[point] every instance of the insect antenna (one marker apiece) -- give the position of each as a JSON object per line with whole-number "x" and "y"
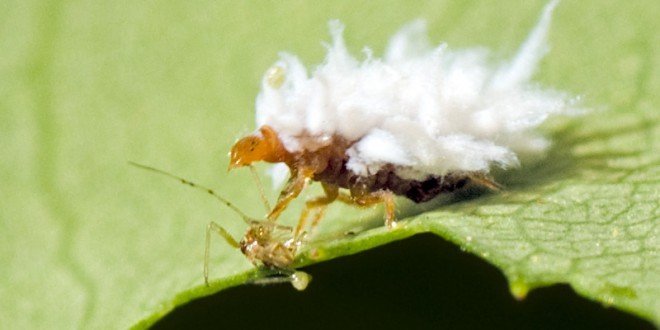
{"x": 209, "y": 191}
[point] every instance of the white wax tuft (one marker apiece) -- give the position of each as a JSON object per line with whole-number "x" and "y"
{"x": 426, "y": 110}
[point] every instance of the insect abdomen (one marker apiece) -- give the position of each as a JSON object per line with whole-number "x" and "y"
{"x": 386, "y": 179}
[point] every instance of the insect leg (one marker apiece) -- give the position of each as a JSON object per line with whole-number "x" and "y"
{"x": 388, "y": 200}
{"x": 318, "y": 204}
{"x": 485, "y": 181}
{"x": 298, "y": 279}
{"x": 296, "y": 184}
{"x": 214, "y": 227}
{"x": 280, "y": 255}
{"x": 381, "y": 196}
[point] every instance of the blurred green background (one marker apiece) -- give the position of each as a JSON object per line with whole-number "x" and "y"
{"x": 85, "y": 86}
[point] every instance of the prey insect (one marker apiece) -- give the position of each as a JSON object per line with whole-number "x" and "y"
{"x": 265, "y": 243}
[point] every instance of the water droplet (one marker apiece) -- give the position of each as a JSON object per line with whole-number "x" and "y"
{"x": 300, "y": 280}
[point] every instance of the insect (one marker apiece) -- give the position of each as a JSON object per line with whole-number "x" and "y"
{"x": 417, "y": 123}
{"x": 265, "y": 242}
{"x": 327, "y": 165}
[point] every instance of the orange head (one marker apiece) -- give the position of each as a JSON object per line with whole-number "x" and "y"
{"x": 264, "y": 145}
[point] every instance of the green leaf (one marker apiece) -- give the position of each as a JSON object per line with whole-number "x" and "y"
{"x": 89, "y": 242}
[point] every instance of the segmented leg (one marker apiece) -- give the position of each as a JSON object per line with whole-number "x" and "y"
{"x": 318, "y": 205}
{"x": 278, "y": 255}
{"x": 298, "y": 279}
{"x": 485, "y": 181}
{"x": 294, "y": 186}
{"x": 382, "y": 196}
{"x": 212, "y": 226}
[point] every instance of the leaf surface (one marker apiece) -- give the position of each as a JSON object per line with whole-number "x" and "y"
{"x": 89, "y": 242}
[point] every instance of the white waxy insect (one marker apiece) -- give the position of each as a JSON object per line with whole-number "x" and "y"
{"x": 419, "y": 122}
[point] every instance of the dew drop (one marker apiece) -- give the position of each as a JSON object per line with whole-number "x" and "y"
{"x": 300, "y": 280}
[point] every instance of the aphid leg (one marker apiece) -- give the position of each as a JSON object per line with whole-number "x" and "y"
{"x": 298, "y": 279}
{"x": 257, "y": 181}
{"x": 294, "y": 186}
{"x": 280, "y": 254}
{"x": 318, "y": 205}
{"x": 214, "y": 227}
{"x": 382, "y": 196}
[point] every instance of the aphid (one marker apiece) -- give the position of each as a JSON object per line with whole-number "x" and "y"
{"x": 265, "y": 243}
{"x": 417, "y": 123}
